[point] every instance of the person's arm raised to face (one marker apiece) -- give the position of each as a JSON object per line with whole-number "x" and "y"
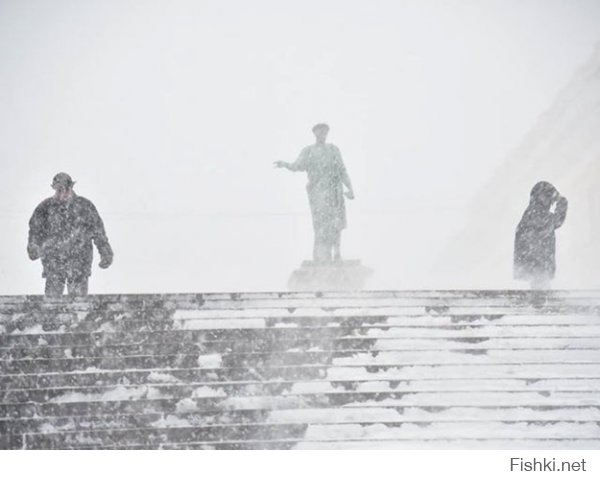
{"x": 560, "y": 211}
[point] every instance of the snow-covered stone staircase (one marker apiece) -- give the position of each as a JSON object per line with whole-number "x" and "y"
{"x": 420, "y": 369}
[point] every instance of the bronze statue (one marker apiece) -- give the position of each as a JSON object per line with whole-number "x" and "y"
{"x": 327, "y": 177}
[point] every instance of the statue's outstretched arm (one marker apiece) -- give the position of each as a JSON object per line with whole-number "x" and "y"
{"x": 298, "y": 166}
{"x": 286, "y": 165}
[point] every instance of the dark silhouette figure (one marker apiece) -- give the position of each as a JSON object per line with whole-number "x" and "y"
{"x": 61, "y": 231}
{"x": 326, "y": 178}
{"x": 535, "y": 241}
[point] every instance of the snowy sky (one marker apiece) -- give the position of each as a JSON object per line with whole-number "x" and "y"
{"x": 169, "y": 115}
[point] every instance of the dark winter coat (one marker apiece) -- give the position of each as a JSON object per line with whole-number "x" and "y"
{"x": 62, "y": 233}
{"x": 535, "y": 241}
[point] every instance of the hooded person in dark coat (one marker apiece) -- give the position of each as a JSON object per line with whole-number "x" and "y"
{"x": 535, "y": 241}
{"x": 61, "y": 231}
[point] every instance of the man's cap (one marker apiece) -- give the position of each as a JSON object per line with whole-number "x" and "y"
{"x": 320, "y": 126}
{"x": 62, "y": 180}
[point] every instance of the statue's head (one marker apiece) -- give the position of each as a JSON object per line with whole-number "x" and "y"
{"x": 321, "y": 130}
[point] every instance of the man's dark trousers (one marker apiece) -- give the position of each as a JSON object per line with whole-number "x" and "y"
{"x": 76, "y": 285}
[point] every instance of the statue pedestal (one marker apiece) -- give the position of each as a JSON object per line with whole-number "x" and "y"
{"x": 342, "y": 275}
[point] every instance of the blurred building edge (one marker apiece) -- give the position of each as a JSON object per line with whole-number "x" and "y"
{"x": 347, "y": 275}
{"x": 562, "y": 148}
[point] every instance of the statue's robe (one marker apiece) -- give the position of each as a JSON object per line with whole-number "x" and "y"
{"x": 326, "y": 177}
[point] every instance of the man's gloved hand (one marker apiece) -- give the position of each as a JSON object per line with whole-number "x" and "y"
{"x": 34, "y": 251}
{"x": 105, "y": 262}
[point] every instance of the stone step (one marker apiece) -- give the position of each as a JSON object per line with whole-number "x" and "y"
{"x": 195, "y": 300}
{"x": 504, "y": 444}
{"x": 402, "y": 357}
{"x": 35, "y": 325}
{"x": 124, "y": 401}
{"x": 417, "y": 320}
{"x": 438, "y": 431}
{"x": 482, "y": 444}
{"x": 31, "y": 383}
{"x": 559, "y": 308}
{"x": 388, "y": 416}
{"x": 388, "y": 308}
{"x": 256, "y": 336}
{"x": 305, "y": 433}
{"x": 341, "y": 347}
{"x": 154, "y": 436}
{"x": 232, "y": 389}
{"x": 358, "y": 444}
{"x": 343, "y": 374}
{"x": 27, "y": 318}
{"x": 125, "y": 322}
{"x": 299, "y": 358}
{"x": 281, "y": 339}
{"x": 227, "y": 331}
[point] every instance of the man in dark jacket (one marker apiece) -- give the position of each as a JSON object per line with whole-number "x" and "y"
{"x": 535, "y": 241}
{"x": 61, "y": 231}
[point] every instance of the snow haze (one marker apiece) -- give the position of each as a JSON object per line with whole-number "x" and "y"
{"x": 169, "y": 115}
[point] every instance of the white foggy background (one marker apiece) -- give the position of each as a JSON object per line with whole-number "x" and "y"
{"x": 169, "y": 116}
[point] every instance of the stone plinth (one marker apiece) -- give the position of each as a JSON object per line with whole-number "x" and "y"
{"x": 342, "y": 275}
